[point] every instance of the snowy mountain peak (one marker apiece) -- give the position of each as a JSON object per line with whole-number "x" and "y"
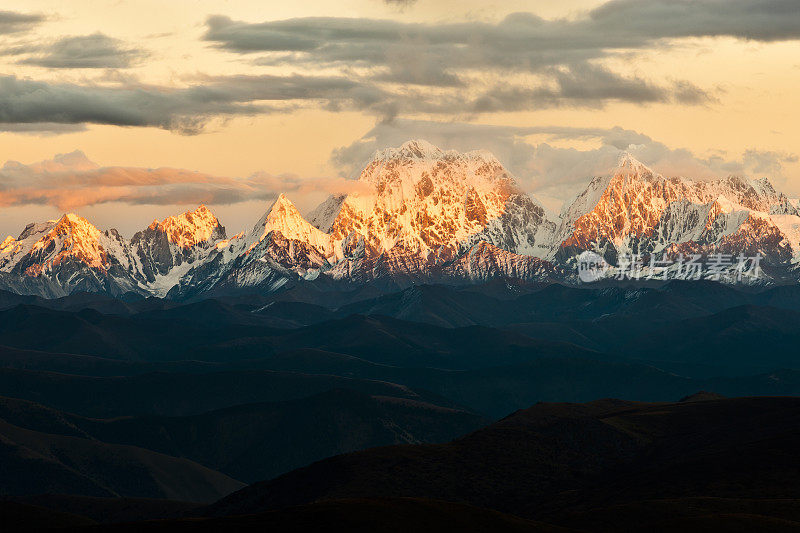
{"x": 190, "y": 228}
{"x": 76, "y": 227}
{"x": 283, "y": 217}
{"x": 324, "y": 215}
{"x": 71, "y": 238}
{"x": 35, "y": 228}
{"x": 630, "y": 167}
{"x": 415, "y": 149}
{"x": 282, "y": 211}
{"x": 70, "y": 254}
{"x": 282, "y": 201}
{"x": 763, "y": 186}
{"x": 430, "y": 202}
{"x": 637, "y": 211}
{"x": 417, "y": 162}
{"x": 420, "y": 214}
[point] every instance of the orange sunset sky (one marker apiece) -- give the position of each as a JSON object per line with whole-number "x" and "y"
{"x": 126, "y": 111}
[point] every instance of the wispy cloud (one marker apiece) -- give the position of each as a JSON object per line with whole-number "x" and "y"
{"x": 561, "y": 55}
{"x": 13, "y": 22}
{"x": 401, "y": 4}
{"x": 185, "y": 110}
{"x": 83, "y": 51}
{"x": 71, "y": 181}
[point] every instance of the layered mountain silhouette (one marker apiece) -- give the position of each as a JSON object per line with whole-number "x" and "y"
{"x": 421, "y": 214}
{"x": 489, "y": 349}
{"x": 337, "y": 404}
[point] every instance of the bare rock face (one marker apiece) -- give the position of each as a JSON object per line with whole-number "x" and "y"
{"x": 176, "y": 240}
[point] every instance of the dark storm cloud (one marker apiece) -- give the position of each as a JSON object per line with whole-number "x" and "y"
{"x": 185, "y": 110}
{"x": 393, "y": 69}
{"x": 83, "y": 51}
{"x": 583, "y": 84}
{"x": 11, "y": 22}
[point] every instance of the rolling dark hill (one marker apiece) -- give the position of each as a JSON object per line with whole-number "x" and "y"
{"x": 95, "y": 509}
{"x": 552, "y": 458}
{"x": 90, "y": 365}
{"x": 295, "y": 314}
{"x": 748, "y": 337}
{"x": 675, "y": 323}
{"x": 211, "y": 331}
{"x": 10, "y": 299}
{"x": 25, "y": 517}
{"x": 35, "y": 462}
{"x": 437, "y": 305}
{"x": 396, "y": 515}
{"x": 90, "y": 332}
{"x": 176, "y": 394}
{"x": 207, "y": 313}
{"x": 387, "y": 340}
{"x": 259, "y": 441}
{"x": 120, "y": 388}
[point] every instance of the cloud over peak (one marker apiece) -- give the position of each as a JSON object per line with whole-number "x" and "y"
{"x": 538, "y": 157}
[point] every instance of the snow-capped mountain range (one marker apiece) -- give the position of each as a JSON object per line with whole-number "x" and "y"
{"x": 423, "y": 215}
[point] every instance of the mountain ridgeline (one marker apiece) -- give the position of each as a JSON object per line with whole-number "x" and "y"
{"x": 422, "y": 215}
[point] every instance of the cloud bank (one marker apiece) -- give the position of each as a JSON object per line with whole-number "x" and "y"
{"x": 536, "y": 156}
{"x": 453, "y": 54}
{"x": 391, "y": 68}
{"x": 563, "y": 51}
{"x": 71, "y": 181}
{"x": 184, "y": 110}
